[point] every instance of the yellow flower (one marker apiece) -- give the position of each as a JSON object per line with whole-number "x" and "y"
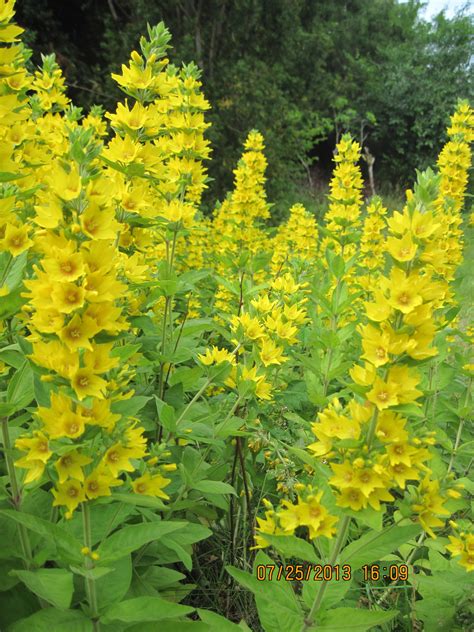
{"x": 216, "y": 356}
{"x": 251, "y": 327}
{"x": 69, "y": 494}
{"x": 68, "y": 424}
{"x": 35, "y": 468}
{"x": 16, "y": 239}
{"x": 63, "y": 266}
{"x": 376, "y": 345}
{"x": 383, "y": 394}
{"x": 353, "y": 498}
{"x": 117, "y": 458}
{"x": 37, "y": 446}
{"x": 66, "y": 184}
{"x": 270, "y": 353}
{"x": 99, "y": 224}
{"x": 151, "y": 485}
{"x": 85, "y": 382}
{"x": 78, "y": 332}
{"x": 100, "y": 414}
{"x": 69, "y": 465}
{"x": 67, "y": 297}
{"x": 99, "y": 359}
{"x": 99, "y": 482}
{"x": 404, "y": 291}
{"x": 307, "y": 513}
{"x": 403, "y": 249}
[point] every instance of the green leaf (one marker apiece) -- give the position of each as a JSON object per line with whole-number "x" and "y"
{"x": 54, "y": 585}
{"x": 214, "y": 487}
{"x": 70, "y": 547}
{"x": 354, "y": 619}
{"x": 91, "y": 573}
{"x": 144, "y": 609}
{"x": 217, "y": 622}
{"x": 114, "y": 586}
{"x": 12, "y": 355}
{"x": 372, "y": 547}
{"x": 292, "y": 547}
{"x": 130, "y": 407}
{"x": 166, "y": 415}
{"x": 52, "y": 619}
{"x": 133, "y": 537}
{"x": 368, "y": 516}
{"x": 277, "y": 605}
{"x": 20, "y": 389}
{"x": 333, "y": 595}
{"x": 138, "y": 500}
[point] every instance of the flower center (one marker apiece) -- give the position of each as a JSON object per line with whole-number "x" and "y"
{"x": 113, "y": 456}
{"x": 404, "y": 298}
{"x": 75, "y": 333}
{"x": 93, "y": 486}
{"x": 141, "y": 488}
{"x": 72, "y": 491}
{"x": 383, "y": 396}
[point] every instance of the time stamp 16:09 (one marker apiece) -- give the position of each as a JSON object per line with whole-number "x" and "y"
{"x": 328, "y": 572}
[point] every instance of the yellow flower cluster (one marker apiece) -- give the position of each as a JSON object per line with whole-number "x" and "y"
{"x": 453, "y": 164}
{"x": 234, "y": 234}
{"x": 263, "y": 334}
{"x": 370, "y": 445}
{"x": 308, "y": 511}
{"x": 372, "y": 244}
{"x": 345, "y": 198}
{"x": 79, "y": 292}
{"x": 462, "y": 546}
{"x": 295, "y": 240}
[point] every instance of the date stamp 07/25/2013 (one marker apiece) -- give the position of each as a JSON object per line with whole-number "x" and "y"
{"x": 328, "y": 572}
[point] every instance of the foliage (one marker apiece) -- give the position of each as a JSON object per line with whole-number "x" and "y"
{"x": 180, "y": 391}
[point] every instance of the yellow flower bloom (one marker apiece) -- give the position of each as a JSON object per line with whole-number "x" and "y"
{"x": 69, "y": 494}
{"x": 151, "y": 485}
{"x": 85, "y": 382}
{"x": 383, "y": 394}
{"x": 403, "y": 249}
{"x": 270, "y": 353}
{"x": 16, "y": 239}
{"x": 69, "y": 465}
{"x": 117, "y": 458}
{"x": 78, "y": 332}
{"x": 37, "y": 446}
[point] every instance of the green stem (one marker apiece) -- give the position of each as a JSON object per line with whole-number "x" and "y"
{"x": 460, "y": 429}
{"x": 16, "y": 494}
{"x": 89, "y": 564}
{"x": 338, "y": 544}
{"x": 409, "y": 560}
{"x": 372, "y": 427}
{"x": 206, "y": 384}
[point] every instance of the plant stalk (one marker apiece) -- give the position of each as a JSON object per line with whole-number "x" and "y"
{"x": 16, "y": 494}
{"x": 89, "y": 564}
{"x": 338, "y": 544}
